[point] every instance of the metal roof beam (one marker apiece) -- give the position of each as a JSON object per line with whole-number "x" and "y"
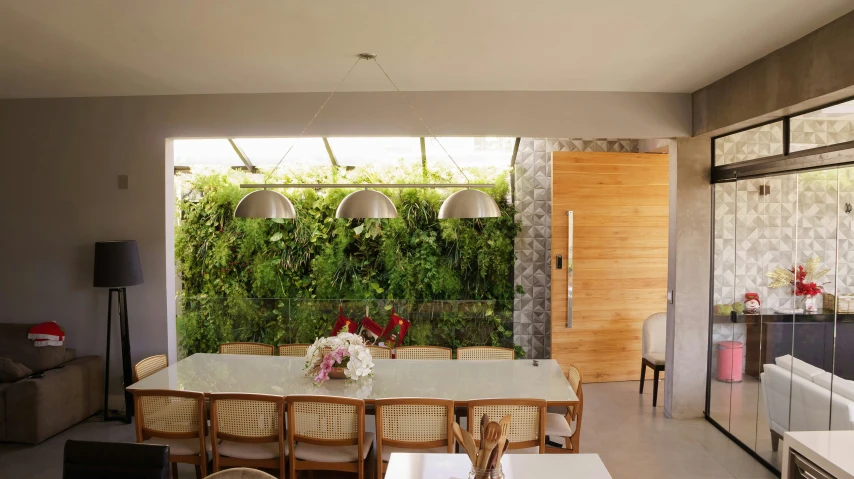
{"x": 248, "y": 164}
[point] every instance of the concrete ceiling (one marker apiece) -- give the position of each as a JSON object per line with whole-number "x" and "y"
{"x": 51, "y": 48}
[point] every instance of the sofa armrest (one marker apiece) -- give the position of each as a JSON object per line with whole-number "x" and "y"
{"x": 38, "y": 408}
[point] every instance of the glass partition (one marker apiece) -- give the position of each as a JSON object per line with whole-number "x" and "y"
{"x": 204, "y": 322}
{"x": 828, "y": 126}
{"x": 782, "y": 337}
{"x": 759, "y": 142}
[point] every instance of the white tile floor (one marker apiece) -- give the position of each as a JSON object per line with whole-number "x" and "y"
{"x": 634, "y": 440}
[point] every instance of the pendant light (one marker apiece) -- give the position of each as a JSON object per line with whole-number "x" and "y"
{"x": 265, "y": 204}
{"x": 462, "y": 204}
{"x": 469, "y": 204}
{"x": 366, "y": 204}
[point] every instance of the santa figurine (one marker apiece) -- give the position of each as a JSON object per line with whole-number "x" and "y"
{"x": 751, "y": 303}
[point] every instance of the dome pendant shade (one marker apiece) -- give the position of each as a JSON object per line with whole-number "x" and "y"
{"x": 366, "y": 204}
{"x": 469, "y": 204}
{"x": 265, "y": 204}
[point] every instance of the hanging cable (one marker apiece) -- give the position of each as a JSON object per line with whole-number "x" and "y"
{"x": 266, "y": 177}
{"x": 422, "y": 119}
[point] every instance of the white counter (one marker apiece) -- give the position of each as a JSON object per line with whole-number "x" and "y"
{"x": 515, "y": 466}
{"x": 832, "y": 451}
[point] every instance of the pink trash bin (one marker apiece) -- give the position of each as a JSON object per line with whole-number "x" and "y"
{"x": 730, "y": 360}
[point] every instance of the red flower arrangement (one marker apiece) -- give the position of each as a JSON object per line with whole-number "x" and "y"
{"x": 802, "y": 278}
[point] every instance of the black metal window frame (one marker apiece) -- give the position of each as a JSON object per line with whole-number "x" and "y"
{"x": 786, "y": 162}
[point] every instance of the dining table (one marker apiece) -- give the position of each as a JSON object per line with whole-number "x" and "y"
{"x": 457, "y": 380}
{"x": 514, "y": 466}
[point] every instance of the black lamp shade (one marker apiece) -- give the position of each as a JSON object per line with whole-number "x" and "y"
{"x": 117, "y": 264}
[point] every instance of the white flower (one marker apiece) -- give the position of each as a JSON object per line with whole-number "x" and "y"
{"x": 360, "y": 363}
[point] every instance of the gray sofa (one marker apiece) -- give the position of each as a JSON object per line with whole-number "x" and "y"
{"x": 32, "y": 410}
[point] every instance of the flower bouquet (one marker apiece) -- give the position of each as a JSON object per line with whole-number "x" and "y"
{"x": 338, "y": 357}
{"x": 802, "y": 279}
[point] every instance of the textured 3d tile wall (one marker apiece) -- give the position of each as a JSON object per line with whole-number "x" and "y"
{"x": 533, "y": 179}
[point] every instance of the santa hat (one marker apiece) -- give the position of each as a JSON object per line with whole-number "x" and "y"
{"x": 47, "y": 334}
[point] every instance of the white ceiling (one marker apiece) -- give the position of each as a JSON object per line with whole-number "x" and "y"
{"x": 54, "y": 48}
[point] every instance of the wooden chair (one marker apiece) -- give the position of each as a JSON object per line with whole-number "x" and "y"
{"x": 379, "y": 352}
{"x": 327, "y": 433}
{"x": 252, "y": 430}
{"x": 294, "y": 350}
{"x": 568, "y": 426}
{"x": 176, "y": 419}
{"x": 653, "y": 343}
{"x": 422, "y": 352}
{"x": 256, "y": 349}
{"x": 527, "y": 429}
{"x": 149, "y": 366}
{"x": 484, "y": 352}
{"x": 413, "y": 425}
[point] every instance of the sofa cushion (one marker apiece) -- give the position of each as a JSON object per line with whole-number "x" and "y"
{"x": 41, "y": 407}
{"x": 797, "y": 366}
{"x": 10, "y": 371}
{"x": 843, "y": 387}
{"x": 16, "y": 346}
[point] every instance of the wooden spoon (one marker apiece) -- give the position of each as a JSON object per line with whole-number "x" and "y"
{"x": 466, "y": 442}
{"x": 491, "y": 436}
{"x": 495, "y": 458}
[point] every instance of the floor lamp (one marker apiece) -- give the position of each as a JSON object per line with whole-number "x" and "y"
{"x": 116, "y": 267}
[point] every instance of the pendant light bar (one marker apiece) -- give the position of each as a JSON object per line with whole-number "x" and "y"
{"x": 369, "y": 185}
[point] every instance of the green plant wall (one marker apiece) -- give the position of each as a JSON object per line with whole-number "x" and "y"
{"x": 283, "y": 281}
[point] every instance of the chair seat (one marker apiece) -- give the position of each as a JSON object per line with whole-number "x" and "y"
{"x": 655, "y": 358}
{"x": 313, "y": 452}
{"x": 180, "y": 447}
{"x": 556, "y": 425}
{"x": 250, "y": 450}
{"x": 387, "y": 450}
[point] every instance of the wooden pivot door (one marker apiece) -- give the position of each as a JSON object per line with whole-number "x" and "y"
{"x": 619, "y": 205}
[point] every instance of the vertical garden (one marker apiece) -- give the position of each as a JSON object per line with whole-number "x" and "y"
{"x": 284, "y": 281}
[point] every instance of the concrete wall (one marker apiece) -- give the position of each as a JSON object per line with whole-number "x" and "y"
{"x": 809, "y": 72}
{"x": 61, "y": 160}
{"x": 688, "y": 278}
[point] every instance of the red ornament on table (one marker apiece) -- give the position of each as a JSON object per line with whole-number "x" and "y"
{"x": 751, "y": 303}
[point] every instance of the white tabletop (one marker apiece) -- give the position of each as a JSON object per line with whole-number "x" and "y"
{"x": 282, "y": 375}
{"x": 832, "y": 451}
{"x": 514, "y": 466}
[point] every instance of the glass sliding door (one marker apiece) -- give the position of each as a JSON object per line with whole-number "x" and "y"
{"x": 723, "y": 329}
{"x": 782, "y": 332}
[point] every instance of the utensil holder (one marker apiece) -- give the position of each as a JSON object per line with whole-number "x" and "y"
{"x": 478, "y": 473}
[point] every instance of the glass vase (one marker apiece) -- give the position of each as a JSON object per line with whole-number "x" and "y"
{"x": 478, "y": 473}
{"x": 809, "y": 304}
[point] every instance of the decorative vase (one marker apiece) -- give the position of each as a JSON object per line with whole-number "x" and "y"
{"x": 809, "y": 304}
{"x": 337, "y": 373}
{"x": 478, "y": 473}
